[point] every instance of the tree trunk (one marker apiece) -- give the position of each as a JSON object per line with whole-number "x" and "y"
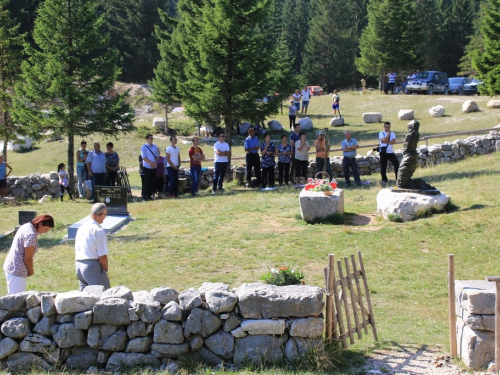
{"x": 229, "y": 134}
{"x": 166, "y": 119}
{"x": 71, "y": 162}
{"x": 381, "y": 81}
{"x": 6, "y": 139}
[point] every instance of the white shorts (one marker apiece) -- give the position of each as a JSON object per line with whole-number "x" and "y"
{"x": 15, "y": 284}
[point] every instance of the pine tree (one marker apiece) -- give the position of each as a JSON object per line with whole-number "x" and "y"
{"x": 225, "y": 68}
{"x": 487, "y": 64}
{"x": 331, "y": 47}
{"x": 391, "y": 39}
{"x": 11, "y": 56}
{"x": 65, "y": 81}
{"x": 475, "y": 45}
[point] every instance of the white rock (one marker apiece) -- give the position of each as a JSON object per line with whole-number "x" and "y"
{"x": 470, "y": 106}
{"x": 476, "y": 348}
{"x": 406, "y": 114}
{"x": 318, "y": 206}
{"x": 275, "y": 126}
{"x": 45, "y": 198}
{"x": 159, "y": 123}
{"x": 238, "y": 332}
{"x": 74, "y": 301}
{"x": 407, "y": 205}
{"x": 437, "y": 111}
{"x": 337, "y": 121}
{"x": 305, "y": 124}
{"x": 263, "y": 326}
{"x": 308, "y": 327}
{"x": 493, "y": 104}
{"x": 371, "y": 117}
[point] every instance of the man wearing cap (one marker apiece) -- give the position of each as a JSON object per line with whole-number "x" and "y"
{"x": 322, "y": 145}
{"x": 96, "y": 166}
{"x": 252, "y": 147}
{"x": 91, "y": 250}
{"x": 349, "y": 147}
{"x": 150, "y": 155}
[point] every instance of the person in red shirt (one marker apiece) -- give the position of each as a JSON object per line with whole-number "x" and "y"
{"x": 197, "y": 156}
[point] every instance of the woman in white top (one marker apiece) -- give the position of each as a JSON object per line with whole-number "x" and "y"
{"x": 173, "y": 163}
{"x": 296, "y": 99}
{"x": 301, "y": 158}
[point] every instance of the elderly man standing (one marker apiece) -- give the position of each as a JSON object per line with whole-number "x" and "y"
{"x": 150, "y": 155}
{"x": 96, "y": 165}
{"x": 91, "y": 250}
{"x": 349, "y": 147}
{"x": 252, "y": 147}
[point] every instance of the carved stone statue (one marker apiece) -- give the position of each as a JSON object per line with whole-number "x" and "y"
{"x": 409, "y": 163}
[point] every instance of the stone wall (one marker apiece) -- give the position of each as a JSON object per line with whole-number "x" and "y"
{"x": 36, "y": 186}
{"x": 475, "y": 309}
{"x": 119, "y": 328}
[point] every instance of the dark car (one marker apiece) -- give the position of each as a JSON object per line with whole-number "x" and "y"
{"x": 471, "y": 87}
{"x": 429, "y": 82}
{"x": 457, "y": 85}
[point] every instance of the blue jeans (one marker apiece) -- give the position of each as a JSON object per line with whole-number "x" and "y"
{"x": 173, "y": 181}
{"x": 219, "y": 174}
{"x": 196, "y": 177}
{"x": 82, "y": 172}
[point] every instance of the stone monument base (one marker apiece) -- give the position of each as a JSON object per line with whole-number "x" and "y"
{"x": 318, "y": 206}
{"x": 408, "y": 205}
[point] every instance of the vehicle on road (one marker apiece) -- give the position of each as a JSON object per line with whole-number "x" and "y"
{"x": 457, "y": 85}
{"x": 429, "y": 82}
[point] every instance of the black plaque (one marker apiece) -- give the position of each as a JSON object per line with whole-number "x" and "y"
{"x": 26, "y": 216}
{"x": 114, "y": 197}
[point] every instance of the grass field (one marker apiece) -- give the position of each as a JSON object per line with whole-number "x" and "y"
{"x": 235, "y": 237}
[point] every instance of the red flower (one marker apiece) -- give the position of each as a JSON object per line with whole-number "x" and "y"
{"x": 283, "y": 268}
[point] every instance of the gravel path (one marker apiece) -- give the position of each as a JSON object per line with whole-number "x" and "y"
{"x": 413, "y": 359}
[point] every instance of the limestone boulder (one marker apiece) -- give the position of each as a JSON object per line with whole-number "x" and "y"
{"x": 74, "y": 301}
{"x": 165, "y": 295}
{"x": 117, "y": 342}
{"x": 406, "y": 114}
{"x": 172, "y": 311}
{"x": 305, "y": 124}
{"x": 7, "y": 347}
{"x": 296, "y": 347}
{"x": 275, "y": 126}
{"x": 220, "y": 301}
{"x": 34, "y": 314}
{"x": 13, "y": 302}
{"x": 263, "y": 326}
{"x": 371, "y": 117}
{"x": 139, "y": 345}
{"x": 35, "y": 343}
{"x": 83, "y": 320}
{"x": 112, "y": 311}
{"x": 478, "y": 321}
{"x": 118, "y": 292}
{"x": 43, "y": 326}
{"x": 159, "y": 123}
{"x": 209, "y": 356}
{"x": 470, "y": 106}
{"x": 316, "y": 206}
{"x": 196, "y": 343}
{"x": 209, "y": 286}
{"x": 142, "y": 296}
{"x": 189, "y": 299}
{"x": 476, "y": 348}
{"x": 221, "y": 343}
{"x": 232, "y": 322}
{"x": 408, "y": 206}
{"x": 476, "y": 300}
{"x": 135, "y": 329}
{"x": 307, "y": 327}
{"x": 95, "y": 290}
{"x": 97, "y": 335}
{"x": 494, "y": 103}
{"x": 68, "y": 336}
{"x": 82, "y": 358}
{"x": 337, "y": 121}
{"x": 148, "y": 312}
{"x": 264, "y": 301}
{"x": 24, "y": 362}
{"x": 258, "y": 349}
{"x": 131, "y": 360}
{"x": 169, "y": 350}
{"x": 437, "y": 111}
{"x": 16, "y": 328}
{"x": 168, "y": 333}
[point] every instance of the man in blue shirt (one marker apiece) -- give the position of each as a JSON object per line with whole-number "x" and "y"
{"x": 349, "y": 147}
{"x": 252, "y": 147}
{"x": 96, "y": 165}
{"x": 294, "y": 137}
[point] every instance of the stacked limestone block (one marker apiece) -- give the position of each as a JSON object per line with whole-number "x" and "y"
{"x": 34, "y": 186}
{"x": 475, "y": 307}
{"x": 118, "y": 328}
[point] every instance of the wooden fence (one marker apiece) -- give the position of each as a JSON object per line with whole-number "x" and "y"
{"x": 347, "y": 312}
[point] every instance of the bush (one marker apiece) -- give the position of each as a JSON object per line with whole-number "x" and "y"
{"x": 142, "y": 131}
{"x": 283, "y": 276}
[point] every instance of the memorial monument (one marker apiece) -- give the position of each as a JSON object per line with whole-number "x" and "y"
{"x": 410, "y": 198}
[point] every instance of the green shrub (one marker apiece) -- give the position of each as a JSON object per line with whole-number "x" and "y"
{"x": 283, "y": 276}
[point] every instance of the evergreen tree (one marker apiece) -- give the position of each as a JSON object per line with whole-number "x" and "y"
{"x": 475, "y": 45}
{"x": 23, "y": 13}
{"x": 487, "y": 63}
{"x": 65, "y": 81}
{"x": 331, "y": 47}
{"x": 295, "y": 29}
{"x": 225, "y": 68}
{"x": 391, "y": 39}
{"x": 11, "y": 56}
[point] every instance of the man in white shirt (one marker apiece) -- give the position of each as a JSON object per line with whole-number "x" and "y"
{"x": 150, "y": 155}
{"x": 306, "y": 94}
{"x": 387, "y": 139}
{"x": 91, "y": 250}
{"x": 221, "y": 161}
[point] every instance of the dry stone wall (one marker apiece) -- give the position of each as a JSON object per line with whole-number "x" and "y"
{"x": 120, "y": 328}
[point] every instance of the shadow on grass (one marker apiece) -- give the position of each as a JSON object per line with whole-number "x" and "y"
{"x": 459, "y": 175}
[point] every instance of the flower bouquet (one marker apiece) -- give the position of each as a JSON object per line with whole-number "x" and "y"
{"x": 320, "y": 185}
{"x": 283, "y": 276}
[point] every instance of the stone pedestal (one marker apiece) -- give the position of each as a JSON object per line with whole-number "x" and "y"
{"x": 318, "y": 206}
{"x": 407, "y": 205}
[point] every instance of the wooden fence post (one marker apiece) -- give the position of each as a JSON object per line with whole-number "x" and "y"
{"x": 451, "y": 305}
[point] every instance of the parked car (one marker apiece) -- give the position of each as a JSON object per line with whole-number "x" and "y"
{"x": 471, "y": 88}
{"x": 316, "y": 90}
{"x": 429, "y": 82}
{"x": 457, "y": 85}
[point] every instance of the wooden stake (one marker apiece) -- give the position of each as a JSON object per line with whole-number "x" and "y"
{"x": 353, "y": 297}
{"x": 338, "y": 307}
{"x": 368, "y": 298}
{"x": 331, "y": 283}
{"x": 451, "y": 306}
{"x": 360, "y": 297}
{"x": 329, "y": 305}
{"x": 496, "y": 279}
{"x": 346, "y": 304}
